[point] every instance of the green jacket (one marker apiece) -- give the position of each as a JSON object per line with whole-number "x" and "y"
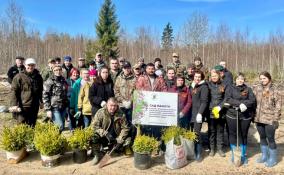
{"x": 102, "y": 122}
{"x": 179, "y": 68}
{"x": 75, "y": 94}
{"x": 46, "y": 73}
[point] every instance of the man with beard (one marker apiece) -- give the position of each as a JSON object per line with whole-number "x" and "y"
{"x": 151, "y": 82}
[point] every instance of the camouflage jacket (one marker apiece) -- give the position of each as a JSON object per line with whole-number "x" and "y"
{"x": 114, "y": 75}
{"x": 268, "y": 104}
{"x": 46, "y": 73}
{"x": 179, "y": 68}
{"x": 143, "y": 83}
{"x": 102, "y": 123}
{"x": 55, "y": 93}
{"x": 124, "y": 87}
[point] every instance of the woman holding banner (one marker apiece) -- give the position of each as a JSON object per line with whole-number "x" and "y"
{"x": 200, "y": 95}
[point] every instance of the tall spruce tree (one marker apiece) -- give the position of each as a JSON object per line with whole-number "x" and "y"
{"x": 167, "y": 37}
{"x": 107, "y": 30}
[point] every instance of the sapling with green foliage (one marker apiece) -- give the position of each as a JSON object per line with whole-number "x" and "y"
{"x": 145, "y": 144}
{"x": 48, "y": 140}
{"x": 175, "y": 132}
{"x": 81, "y": 138}
{"x": 17, "y": 137}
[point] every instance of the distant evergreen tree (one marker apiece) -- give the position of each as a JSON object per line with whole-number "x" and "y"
{"x": 167, "y": 37}
{"x": 107, "y": 30}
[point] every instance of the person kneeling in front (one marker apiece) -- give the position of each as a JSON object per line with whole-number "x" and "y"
{"x": 111, "y": 129}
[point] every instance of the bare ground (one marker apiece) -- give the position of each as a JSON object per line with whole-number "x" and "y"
{"x": 124, "y": 165}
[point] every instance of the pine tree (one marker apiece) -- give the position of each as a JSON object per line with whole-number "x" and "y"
{"x": 167, "y": 37}
{"x": 107, "y": 30}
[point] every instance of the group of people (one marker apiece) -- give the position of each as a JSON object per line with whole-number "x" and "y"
{"x": 100, "y": 95}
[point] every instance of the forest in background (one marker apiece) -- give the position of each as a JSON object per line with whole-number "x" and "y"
{"x": 242, "y": 50}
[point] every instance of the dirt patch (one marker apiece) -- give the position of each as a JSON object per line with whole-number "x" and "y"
{"x": 124, "y": 165}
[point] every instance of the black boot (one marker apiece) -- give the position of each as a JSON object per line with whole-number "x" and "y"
{"x": 198, "y": 152}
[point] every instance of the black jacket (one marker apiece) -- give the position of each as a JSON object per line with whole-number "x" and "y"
{"x": 200, "y": 99}
{"x": 235, "y": 95}
{"x": 100, "y": 91}
{"x": 217, "y": 95}
{"x": 67, "y": 69}
{"x": 13, "y": 71}
{"x": 228, "y": 78}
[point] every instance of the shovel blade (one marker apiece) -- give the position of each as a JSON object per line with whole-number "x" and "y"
{"x": 237, "y": 157}
{"x": 104, "y": 161}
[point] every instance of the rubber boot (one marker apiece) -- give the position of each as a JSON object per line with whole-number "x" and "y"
{"x": 244, "y": 159}
{"x": 198, "y": 152}
{"x": 233, "y": 148}
{"x": 272, "y": 160}
{"x": 96, "y": 153}
{"x": 264, "y": 154}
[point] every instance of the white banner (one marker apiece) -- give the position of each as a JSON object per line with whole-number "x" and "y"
{"x": 155, "y": 108}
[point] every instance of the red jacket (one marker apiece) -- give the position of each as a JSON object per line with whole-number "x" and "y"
{"x": 143, "y": 84}
{"x": 184, "y": 99}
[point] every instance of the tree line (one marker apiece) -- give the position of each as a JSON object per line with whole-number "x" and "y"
{"x": 241, "y": 49}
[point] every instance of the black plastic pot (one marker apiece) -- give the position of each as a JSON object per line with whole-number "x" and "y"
{"x": 142, "y": 161}
{"x": 79, "y": 156}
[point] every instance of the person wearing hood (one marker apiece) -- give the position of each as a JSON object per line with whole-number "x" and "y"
{"x": 14, "y": 70}
{"x": 67, "y": 66}
{"x": 198, "y": 66}
{"x": 55, "y": 97}
{"x": 170, "y": 78}
{"x": 176, "y": 65}
{"x": 268, "y": 113}
{"x": 216, "y": 123}
{"x": 101, "y": 90}
{"x": 184, "y": 101}
{"x": 241, "y": 103}
{"x": 200, "y": 99}
{"x": 26, "y": 93}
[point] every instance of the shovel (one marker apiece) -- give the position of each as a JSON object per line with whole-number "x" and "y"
{"x": 106, "y": 158}
{"x": 237, "y": 152}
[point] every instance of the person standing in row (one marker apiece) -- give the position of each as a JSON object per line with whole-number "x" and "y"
{"x": 216, "y": 123}
{"x": 241, "y": 101}
{"x": 26, "y": 93}
{"x": 55, "y": 97}
{"x": 200, "y": 95}
{"x": 47, "y": 71}
{"x": 184, "y": 101}
{"x": 177, "y": 65}
{"x": 101, "y": 90}
{"x": 114, "y": 69}
{"x": 14, "y": 70}
{"x": 267, "y": 118}
{"x": 67, "y": 67}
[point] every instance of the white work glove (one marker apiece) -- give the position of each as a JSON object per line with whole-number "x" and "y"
{"x": 243, "y": 107}
{"x": 198, "y": 118}
{"x": 15, "y": 109}
{"x": 49, "y": 114}
{"x": 126, "y": 104}
{"x": 181, "y": 115}
{"x": 103, "y": 103}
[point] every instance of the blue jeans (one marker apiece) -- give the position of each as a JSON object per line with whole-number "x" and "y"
{"x": 58, "y": 117}
{"x": 87, "y": 120}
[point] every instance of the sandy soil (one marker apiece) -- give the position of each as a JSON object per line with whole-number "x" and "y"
{"x": 124, "y": 165}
